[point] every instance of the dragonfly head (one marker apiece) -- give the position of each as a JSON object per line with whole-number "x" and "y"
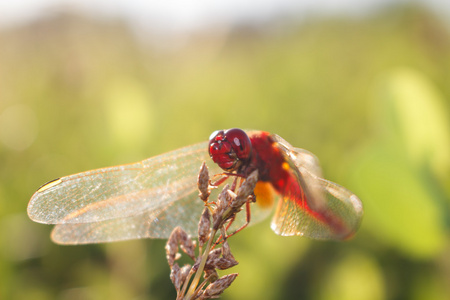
{"x": 230, "y": 149}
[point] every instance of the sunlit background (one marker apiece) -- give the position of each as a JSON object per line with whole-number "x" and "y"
{"x": 366, "y": 87}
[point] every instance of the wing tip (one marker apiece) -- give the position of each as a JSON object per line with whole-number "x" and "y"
{"x": 357, "y": 204}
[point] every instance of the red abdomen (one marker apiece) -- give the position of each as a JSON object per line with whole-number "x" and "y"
{"x": 272, "y": 166}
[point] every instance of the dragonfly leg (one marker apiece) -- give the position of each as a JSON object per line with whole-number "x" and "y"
{"x": 247, "y": 221}
{"x": 225, "y": 176}
{"x": 219, "y": 181}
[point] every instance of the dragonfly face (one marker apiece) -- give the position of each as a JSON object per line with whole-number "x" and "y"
{"x": 149, "y": 198}
{"x": 230, "y": 149}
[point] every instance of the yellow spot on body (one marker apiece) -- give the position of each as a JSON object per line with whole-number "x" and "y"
{"x": 49, "y": 185}
{"x": 265, "y": 194}
{"x": 285, "y": 166}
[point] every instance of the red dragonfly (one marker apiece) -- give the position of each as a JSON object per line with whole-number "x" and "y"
{"x": 149, "y": 198}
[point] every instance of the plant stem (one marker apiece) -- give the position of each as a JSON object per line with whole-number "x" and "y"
{"x": 191, "y": 292}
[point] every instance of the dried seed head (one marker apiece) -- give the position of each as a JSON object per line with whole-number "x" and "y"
{"x": 216, "y": 288}
{"x": 179, "y": 237}
{"x": 226, "y": 251}
{"x": 219, "y": 213}
{"x": 197, "y": 263}
{"x": 231, "y": 196}
{"x": 226, "y": 261}
{"x": 203, "y": 183}
{"x": 184, "y": 272}
{"x": 211, "y": 275}
{"x": 175, "y": 276}
{"x": 223, "y": 263}
{"x": 223, "y": 202}
{"x": 212, "y": 258}
{"x": 217, "y": 218}
{"x": 238, "y": 202}
{"x": 224, "y": 199}
{"x": 245, "y": 190}
{"x": 186, "y": 243}
{"x": 204, "y": 227}
{"x": 178, "y": 275}
{"x": 172, "y": 247}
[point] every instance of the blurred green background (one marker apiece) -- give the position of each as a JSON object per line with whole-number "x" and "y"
{"x": 369, "y": 95}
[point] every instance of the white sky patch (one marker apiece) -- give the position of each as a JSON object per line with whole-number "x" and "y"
{"x": 193, "y": 14}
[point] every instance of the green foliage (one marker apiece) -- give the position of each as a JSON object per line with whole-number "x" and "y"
{"x": 368, "y": 96}
{"x": 401, "y": 169}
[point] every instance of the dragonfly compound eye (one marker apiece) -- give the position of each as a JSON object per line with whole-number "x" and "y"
{"x": 229, "y": 149}
{"x": 240, "y": 142}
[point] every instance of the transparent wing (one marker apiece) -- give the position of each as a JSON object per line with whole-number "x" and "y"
{"x": 155, "y": 223}
{"x": 320, "y": 209}
{"x": 120, "y": 191}
{"x": 146, "y": 199}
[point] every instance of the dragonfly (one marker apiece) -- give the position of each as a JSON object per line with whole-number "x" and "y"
{"x": 149, "y": 198}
